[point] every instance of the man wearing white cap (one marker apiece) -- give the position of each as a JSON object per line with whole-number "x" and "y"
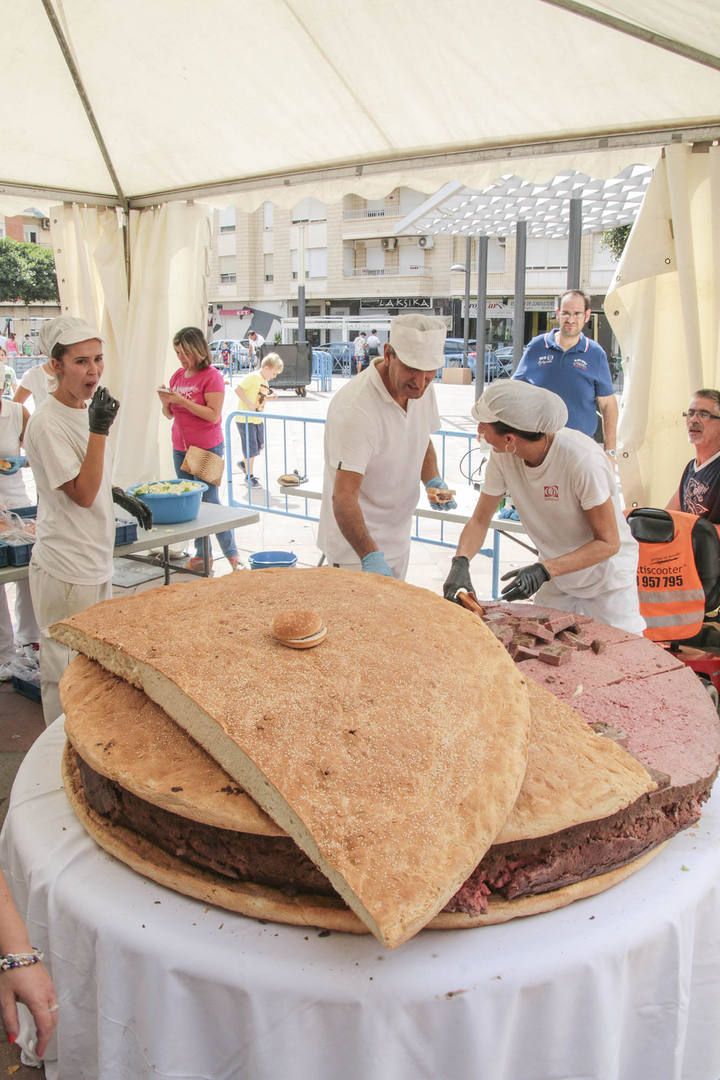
{"x": 67, "y": 446}
{"x": 566, "y": 495}
{"x": 378, "y": 448}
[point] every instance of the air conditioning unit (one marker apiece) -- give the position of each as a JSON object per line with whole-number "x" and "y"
{"x": 425, "y": 241}
{"x": 45, "y": 223}
{"x": 389, "y": 243}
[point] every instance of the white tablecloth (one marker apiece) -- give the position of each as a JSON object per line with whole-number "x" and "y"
{"x": 152, "y": 984}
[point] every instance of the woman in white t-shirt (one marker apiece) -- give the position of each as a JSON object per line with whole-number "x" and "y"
{"x": 8, "y": 378}
{"x": 13, "y": 420}
{"x": 67, "y": 446}
{"x": 565, "y": 492}
{"x": 37, "y": 383}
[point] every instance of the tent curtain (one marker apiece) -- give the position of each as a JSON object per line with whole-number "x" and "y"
{"x": 169, "y": 257}
{"x": 170, "y": 252}
{"x": 664, "y": 308}
{"x": 90, "y": 266}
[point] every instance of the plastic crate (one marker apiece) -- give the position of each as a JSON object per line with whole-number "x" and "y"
{"x": 26, "y": 511}
{"x": 125, "y": 532}
{"x": 3, "y": 553}
{"x": 27, "y": 689}
{"x": 19, "y": 554}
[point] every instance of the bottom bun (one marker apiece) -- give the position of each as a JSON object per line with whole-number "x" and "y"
{"x": 263, "y": 902}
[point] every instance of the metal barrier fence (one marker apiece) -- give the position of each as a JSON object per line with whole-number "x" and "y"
{"x": 296, "y": 444}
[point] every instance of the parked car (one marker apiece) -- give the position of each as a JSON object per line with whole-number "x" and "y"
{"x": 239, "y": 356}
{"x": 498, "y": 362}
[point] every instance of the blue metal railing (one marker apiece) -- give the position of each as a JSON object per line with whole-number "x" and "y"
{"x": 296, "y": 456}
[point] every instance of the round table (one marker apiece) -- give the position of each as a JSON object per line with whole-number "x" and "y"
{"x": 152, "y": 984}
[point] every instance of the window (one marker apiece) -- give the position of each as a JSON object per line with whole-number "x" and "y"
{"x": 268, "y": 215}
{"x": 30, "y": 234}
{"x": 268, "y": 267}
{"x": 310, "y": 210}
{"x": 226, "y": 219}
{"x": 315, "y": 263}
{"x": 228, "y": 279}
{"x": 544, "y": 253}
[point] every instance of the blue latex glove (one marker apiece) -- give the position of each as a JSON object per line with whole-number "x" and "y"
{"x": 438, "y": 482}
{"x": 374, "y": 563}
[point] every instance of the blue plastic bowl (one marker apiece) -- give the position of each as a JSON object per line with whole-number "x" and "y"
{"x": 169, "y": 508}
{"x": 264, "y": 560}
{"x": 15, "y": 462}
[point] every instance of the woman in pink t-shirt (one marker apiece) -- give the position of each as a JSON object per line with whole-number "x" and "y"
{"x": 194, "y": 403}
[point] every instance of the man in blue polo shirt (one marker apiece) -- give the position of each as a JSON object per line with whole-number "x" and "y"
{"x": 575, "y": 368}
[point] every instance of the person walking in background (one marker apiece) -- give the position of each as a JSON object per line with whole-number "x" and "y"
{"x": 360, "y": 352}
{"x": 194, "y": 402}
{"x": 27, "y": 346}
{"x": 13, "y": 495}
{"x": 373, "y": 348}
{"x": 12, "y": 348}
{"x": 255, "y": 343}
{"x": 253, "y": 391}
{"x": 576, "y": 369}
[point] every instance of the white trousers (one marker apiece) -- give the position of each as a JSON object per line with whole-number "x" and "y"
{"x": 53, "y": 600}
{"x": 26, "y": 625}
{"x": 398, "y": 566}
{"x": 616, "y": 607}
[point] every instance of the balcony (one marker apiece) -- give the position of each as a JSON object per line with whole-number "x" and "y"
{"x": 388, "y": 271}
{"x": 369, "y": 224}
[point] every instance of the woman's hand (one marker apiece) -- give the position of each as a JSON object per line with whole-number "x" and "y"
{"x": 33, "y": 986}
{"x": 169, "y": 397}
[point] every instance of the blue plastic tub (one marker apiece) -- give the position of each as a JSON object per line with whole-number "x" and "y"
{"x": 264, "y": 560}
{"x": 171, "y": 509}
{"x": 3, "y": 553}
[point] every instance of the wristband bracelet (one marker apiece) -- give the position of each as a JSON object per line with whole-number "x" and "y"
{"x": 20, "y": 959}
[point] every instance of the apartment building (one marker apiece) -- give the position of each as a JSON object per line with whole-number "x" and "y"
{"x": 358, "y": 273}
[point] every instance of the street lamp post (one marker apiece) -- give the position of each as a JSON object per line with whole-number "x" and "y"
{"x": 466, "y": 315}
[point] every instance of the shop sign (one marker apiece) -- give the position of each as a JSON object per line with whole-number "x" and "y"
{"x": 496, "y": 309}
{"x": 397, "y": 302}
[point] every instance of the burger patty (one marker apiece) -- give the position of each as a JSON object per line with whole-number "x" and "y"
{"x": 510, "y": 870}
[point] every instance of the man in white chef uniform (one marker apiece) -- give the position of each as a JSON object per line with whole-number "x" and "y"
{"x": 378, "y": 448}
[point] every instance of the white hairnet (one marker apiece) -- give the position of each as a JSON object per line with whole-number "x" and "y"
{"x": 65, "y": 330}
{"x": 521, "y": 405}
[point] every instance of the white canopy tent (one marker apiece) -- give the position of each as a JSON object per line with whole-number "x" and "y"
{"x": 163, "y": 108}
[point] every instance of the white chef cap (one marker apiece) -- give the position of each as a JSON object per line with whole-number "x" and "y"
{"x": 65, "y": 330}
{"x": 419, "y": 340}
{"x": 521, "y": 405}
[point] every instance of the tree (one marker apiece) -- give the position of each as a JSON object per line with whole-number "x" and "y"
{"x": 27, "y": 273}
{"x": 614, "y": 240}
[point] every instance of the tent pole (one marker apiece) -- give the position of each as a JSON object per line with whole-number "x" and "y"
{"x": 482, "y": 266}
{"x": 574, "y": 242}
{"x": 633, "y": 30}
{"x": 519, "y": 306}
{"x": 75, "y": 75}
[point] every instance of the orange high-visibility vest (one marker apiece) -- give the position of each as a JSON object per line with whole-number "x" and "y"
{"x": 672, "y": 600}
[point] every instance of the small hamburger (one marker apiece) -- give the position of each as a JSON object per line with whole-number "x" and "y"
{"x": 299, "y": 629}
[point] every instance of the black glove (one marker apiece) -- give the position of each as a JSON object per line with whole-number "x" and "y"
{"x": 102, "y": 411}
{"x": 458, "y": 578}
{"x": 133, "y": 506}
{"x": 528, "y": 580}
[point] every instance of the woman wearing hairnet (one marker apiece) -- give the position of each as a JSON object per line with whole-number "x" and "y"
{"x": 565, "y": 492}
